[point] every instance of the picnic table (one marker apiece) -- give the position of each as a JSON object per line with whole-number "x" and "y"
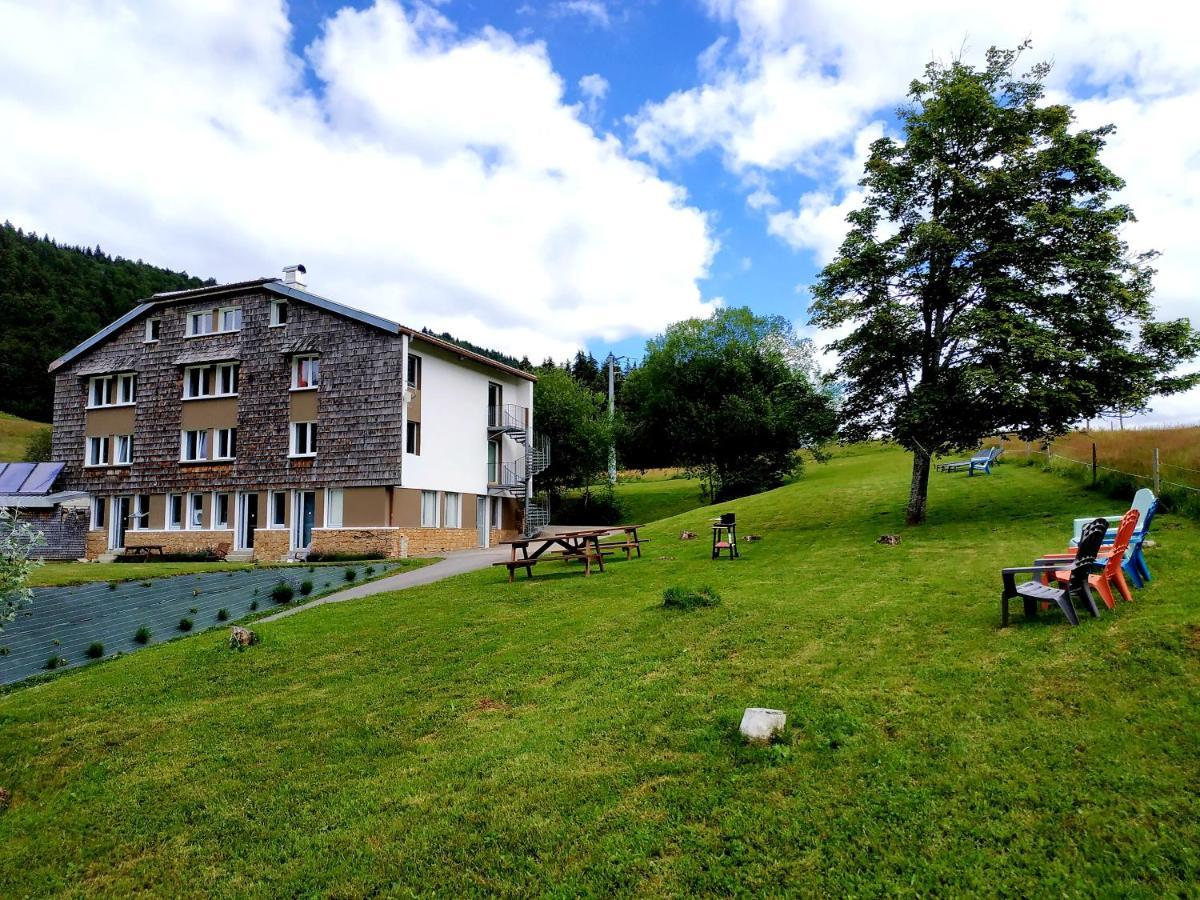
{"x": 143, "y": 551}
{"x": 583, "y": 545}
{"x": 629, "y": 543}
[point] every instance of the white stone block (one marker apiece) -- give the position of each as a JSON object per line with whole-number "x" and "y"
{"x": 760, "y": 725}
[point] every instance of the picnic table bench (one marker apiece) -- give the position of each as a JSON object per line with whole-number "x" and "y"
{"x": 630, "y": 542}
{"x": 143, "y": 551}
{"x": 581, "y": 545}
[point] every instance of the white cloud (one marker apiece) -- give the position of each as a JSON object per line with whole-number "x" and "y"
{"x": 595, "y": 11}
{"x": 806, "y": 80}
{"x": 439, "y": 178}
{"x": 594, "y": 89}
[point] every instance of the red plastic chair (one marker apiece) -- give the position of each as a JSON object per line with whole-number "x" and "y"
{"x": 1112, "y": 558}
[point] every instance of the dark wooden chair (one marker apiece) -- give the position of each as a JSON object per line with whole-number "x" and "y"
{"x": 220, "y": 551}
{"x": 1035, "y": 592}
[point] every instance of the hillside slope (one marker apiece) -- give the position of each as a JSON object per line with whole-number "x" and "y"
{"x": 569, "y": 735}
{"x": 54, "y": 296}
{"x": 14, "y": 436}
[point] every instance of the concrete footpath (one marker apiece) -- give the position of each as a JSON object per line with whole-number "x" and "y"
{"x": 453, "y": 564}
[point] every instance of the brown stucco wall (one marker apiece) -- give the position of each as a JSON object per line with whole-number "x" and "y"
{"x": 117, "y": 420}
{"x": 406, "y": 508}
{"x": 218, "y": 412}
{"x": 364, "y": 507}
{"x": 302, "y": 407}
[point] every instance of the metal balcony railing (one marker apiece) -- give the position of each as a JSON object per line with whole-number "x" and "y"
{"x": 508, "y": 417}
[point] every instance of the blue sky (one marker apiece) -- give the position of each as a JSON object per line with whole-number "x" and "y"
{"x": 544, "y": 175}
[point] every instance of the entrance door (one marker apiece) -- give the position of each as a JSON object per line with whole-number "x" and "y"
{"x": 306, "y": 515}
{"x": 120, "y": 522}
{"x": 481, "y": 520}
{"x": 247, "y": 520}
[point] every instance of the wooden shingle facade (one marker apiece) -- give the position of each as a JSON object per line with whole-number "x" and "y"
{"x": 264, "y": 417}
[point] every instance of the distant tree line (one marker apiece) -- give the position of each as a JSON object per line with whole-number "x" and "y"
{"x": 53, "y": 296}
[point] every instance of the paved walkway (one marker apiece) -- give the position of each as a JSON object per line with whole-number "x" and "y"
{"x": 454, "y": 564}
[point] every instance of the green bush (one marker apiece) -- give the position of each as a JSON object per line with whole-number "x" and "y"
{"x": 95, "y": 650}
{"x": 306, "y": 587}
{"x": 683, "y": 598}
{"x": 282, "y": 593}
{"x": 222, "y": 614}
{"x": 142, "y": 635}
{"x": 369, "y": 571}
{"x": 112, "y": 585}
{"x": 253, "y": 605}
{"x": 185, "y": 624}
{"x": 602, "y": 507}
{"x": 350, "y": 574}
{"x": 55, "y": 661}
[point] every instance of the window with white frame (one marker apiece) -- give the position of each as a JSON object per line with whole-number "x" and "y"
{"x": 304, "y": 439}
{"x": 124, "y": 447}
{"x": 412, "y": 439}
{"x": 227, "y": 379}
{"x": 429, "y": 509}
{"x": 194, "y": 446}
{"x": 200, "y": 323}
{"x": 279, "y": 313}
{"x": 139, "y": 519}
{"x": 153, "y": 329}
{"x": 306, "y": 372}
{"x": 195, "y": 511}
{"x": 229, "y": 318}
{"x": 97, "y": 451}
{"x": 174, "y": 511}
{"x": 334, "y": 499}
{"x": 100, "y": 512}
{"x": 220, "y": 510}
{"x": 453, "y": 510}
{"x": 278, "y": 509}
{"x": 226, "y": 444}
{"x": 220, "y": 380}
{"x": 112, "y": 390}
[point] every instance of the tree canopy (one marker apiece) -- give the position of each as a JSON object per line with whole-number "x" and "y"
{"x": 51, "y": 298}
{"x": 733, "y": 397}
{"x": 985, "y": 277}
{"x": 574, "y": 418}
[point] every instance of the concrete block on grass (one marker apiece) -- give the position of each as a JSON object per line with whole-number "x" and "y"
{"x": 760, "y": 725}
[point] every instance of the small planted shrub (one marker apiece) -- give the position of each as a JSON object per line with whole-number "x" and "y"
{"x": 95, "y": 650}
{"x": 56, "y": 642}
{"x": 112, "y": 585}
{"x": 311, "y": 569}
{"x": 142, "y": 635}
{"x": 196, "y": 592}
{"x": 369, "y": 571}
{"x": 350, "y": 574}
{"x": 194, "y": 610}
{"x": 282, "y": 593}
{"x": 684, "y": 598}
{"x": 4, "y": 651}
{"x": 306, "y": 587}
{"x": 253, "y": 605}
{"x": 55, "y": 661}
{"x": 145, "y": 583}
{"x": 185, "y": 624}
{"x": 222, "y": 614}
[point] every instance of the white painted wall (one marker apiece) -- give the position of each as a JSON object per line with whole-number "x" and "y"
{"x": 454, "y": 436}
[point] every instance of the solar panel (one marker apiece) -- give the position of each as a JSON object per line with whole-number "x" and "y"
{"x": 14, "y": 476}
{"x": 42, "y": 478}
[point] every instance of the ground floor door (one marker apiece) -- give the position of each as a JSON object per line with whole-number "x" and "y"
{"x": 305, "y": 518}
{"x": 119, "y": 523}
{"x": 481, "y": 519}
{"x": 247, "y": 520}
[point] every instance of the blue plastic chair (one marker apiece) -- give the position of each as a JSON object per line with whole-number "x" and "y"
{"x": 983, "y": 461}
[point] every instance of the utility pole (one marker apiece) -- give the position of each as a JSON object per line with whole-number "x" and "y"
{"x": 612, "y": 415}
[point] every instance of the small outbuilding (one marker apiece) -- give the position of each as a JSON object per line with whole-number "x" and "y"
{"x": 27, "y": 492}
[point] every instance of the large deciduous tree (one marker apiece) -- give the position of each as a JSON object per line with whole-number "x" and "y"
{"x": 733, "y": 397}
{"x": 986, "y": 278}
{"x": 574, "y": 419}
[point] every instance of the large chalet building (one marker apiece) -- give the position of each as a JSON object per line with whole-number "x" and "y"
{"x": 265, "y": 417}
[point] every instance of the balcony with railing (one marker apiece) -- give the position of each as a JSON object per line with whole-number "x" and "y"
{"x": 508, "y": 418}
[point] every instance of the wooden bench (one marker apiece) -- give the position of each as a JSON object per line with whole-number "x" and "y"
{"x": 514, "y": 564}
{"x": 628, "y": 546}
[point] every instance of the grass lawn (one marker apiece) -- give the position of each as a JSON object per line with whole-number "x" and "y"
{"x": 569, "y": 736}
{"x": 14, "y": 435}
{"x": 68, "y": 573}
{"x": 650, "y": 499}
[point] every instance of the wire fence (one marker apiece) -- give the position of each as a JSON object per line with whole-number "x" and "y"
{"x": 1155, "y": 478}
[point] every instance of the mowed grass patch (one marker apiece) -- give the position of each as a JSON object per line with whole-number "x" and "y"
{"x": 15, "y": 433}
{"x": 569, "y": 735}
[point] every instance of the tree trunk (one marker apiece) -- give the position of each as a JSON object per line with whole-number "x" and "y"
{"x": 919, "y": 490}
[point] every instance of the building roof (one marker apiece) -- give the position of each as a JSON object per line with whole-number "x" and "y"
{"x": 26, "y": 479}
{"x": 275, "y": 286}
{"x": 49, "y": 501}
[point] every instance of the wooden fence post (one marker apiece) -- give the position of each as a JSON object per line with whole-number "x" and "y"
{"x": 1157, "y": 481}
{"x": 1093, "y": 463}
